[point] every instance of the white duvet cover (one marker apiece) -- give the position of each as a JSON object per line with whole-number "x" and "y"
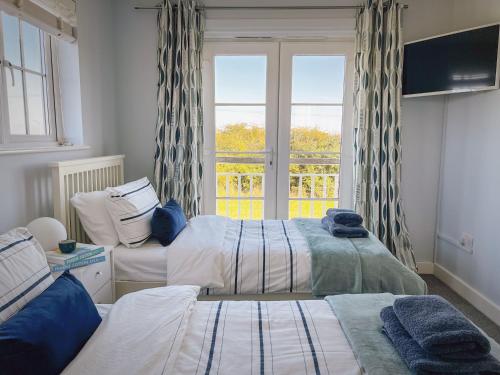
{"x": 240, "y": 256}
{"x": 165, "y": 331}
{"x": 141, "y": 334}
{"x": 196, "y": 256}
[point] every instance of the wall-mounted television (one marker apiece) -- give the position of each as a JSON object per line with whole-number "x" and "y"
{"x": 461, "y": 61}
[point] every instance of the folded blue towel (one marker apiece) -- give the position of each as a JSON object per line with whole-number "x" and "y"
{"x": 422, "y": 362}
{"x": 348, "y": 219}
{"x": 345, "y": 217}
{"x": 339, "y": 230}
{"x": 439, "y": 328}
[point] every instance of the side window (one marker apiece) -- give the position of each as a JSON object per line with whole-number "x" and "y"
{"x": 27, "y": 93}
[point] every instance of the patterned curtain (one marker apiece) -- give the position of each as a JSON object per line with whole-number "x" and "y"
{"x": 377, "y": 126}
{"x": 179, "y": 127}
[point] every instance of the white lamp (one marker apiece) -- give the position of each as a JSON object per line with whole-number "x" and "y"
{"x": 48, "y": 231}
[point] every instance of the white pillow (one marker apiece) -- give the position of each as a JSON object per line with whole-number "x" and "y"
{"x": 95, "y": 218}
{"x": 131, "y": 207}
{"x": 24, "y": 272}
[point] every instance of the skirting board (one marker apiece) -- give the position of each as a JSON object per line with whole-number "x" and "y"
{"x": 478, "y": 300}
{"x": 425, "y": 268}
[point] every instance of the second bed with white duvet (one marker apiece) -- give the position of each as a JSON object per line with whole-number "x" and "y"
{"x": 258, "y": 257}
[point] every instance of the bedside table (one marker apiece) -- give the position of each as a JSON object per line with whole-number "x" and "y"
{"x": 97, "y": 278}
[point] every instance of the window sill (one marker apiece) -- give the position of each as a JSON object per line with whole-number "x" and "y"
{"x": 34, "y": 150}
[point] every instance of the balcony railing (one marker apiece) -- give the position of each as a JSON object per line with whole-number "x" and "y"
{"x": 308, "y": 193}
{"x": 241, "y": 194}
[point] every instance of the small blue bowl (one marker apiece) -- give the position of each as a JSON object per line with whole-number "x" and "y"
{"x": 67, "y": 246}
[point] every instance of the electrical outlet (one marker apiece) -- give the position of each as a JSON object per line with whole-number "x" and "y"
{"x": 467, "y": 241}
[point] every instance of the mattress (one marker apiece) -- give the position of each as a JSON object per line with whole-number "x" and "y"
{"x": 147, "y": 263}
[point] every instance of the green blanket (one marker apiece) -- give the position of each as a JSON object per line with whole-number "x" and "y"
{"x": 356, "y": 265}
{"x": 359, "y": 317}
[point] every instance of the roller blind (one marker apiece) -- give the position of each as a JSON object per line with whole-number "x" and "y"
{"x": 65, "y": 9}
{"x": 57, "y": 17}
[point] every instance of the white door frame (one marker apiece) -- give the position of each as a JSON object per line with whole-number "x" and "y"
{"x": 288, "y": 50}
{"x": 271, "y": 51}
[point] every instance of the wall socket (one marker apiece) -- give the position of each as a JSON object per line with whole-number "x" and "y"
{"x": 467, "y": 241}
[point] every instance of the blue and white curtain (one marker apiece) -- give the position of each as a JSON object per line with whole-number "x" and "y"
{"x": 179, "y": 127}
{"x": 377, "y": 126}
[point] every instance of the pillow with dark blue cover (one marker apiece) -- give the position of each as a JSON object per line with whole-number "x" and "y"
{"x": 49, "y": 331}
{"x": 167, "y": 222}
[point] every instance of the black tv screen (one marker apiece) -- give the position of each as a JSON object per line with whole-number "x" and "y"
{"x": 458, "y": 62}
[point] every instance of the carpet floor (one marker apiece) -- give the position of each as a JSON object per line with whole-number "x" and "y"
{"x": 436, "y": 286}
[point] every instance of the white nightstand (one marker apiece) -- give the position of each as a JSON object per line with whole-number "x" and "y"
{"x": 97, "y": 278}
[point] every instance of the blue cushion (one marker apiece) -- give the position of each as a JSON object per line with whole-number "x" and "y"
{"x": 49, "y": 331}
{"x": 167, "y": 222}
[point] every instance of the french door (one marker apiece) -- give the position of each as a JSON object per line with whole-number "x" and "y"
{"x": 278, "y": 140}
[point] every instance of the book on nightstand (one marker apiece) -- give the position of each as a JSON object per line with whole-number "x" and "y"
{"x": 82, "y": 256}
{"x": 80, "y": 263}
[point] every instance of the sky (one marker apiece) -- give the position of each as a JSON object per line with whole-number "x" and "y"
{"x": 315, "y": 79}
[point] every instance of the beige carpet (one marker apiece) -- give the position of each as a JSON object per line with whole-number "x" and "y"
{"x": 436, "y": 286}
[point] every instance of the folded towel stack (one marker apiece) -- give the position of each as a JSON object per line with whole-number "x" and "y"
{"x": 344, "y": 223}
{"x": 431, "y": 336}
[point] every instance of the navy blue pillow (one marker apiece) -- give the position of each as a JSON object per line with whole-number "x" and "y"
{"x": 167, "y": 222}
{"x": 49, "y": 331}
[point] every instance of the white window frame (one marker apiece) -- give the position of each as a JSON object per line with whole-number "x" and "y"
{"x": 326, "y": 48}
{"x": 278, "y": 112}
{"x": 271, "y": 51}
{"x": 10, "y": 141}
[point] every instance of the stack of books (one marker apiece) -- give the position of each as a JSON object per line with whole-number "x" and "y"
{"x": 82, "y": 256}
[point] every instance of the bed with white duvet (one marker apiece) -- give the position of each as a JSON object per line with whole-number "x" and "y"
{"x": 266, "y": 257}
{"x": 167, "y": 331}
{"x": 224, "y": 257}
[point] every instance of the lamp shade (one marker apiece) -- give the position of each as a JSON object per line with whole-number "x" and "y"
{"x": 48, "y": 231}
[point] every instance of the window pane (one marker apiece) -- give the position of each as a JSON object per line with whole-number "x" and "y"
{"x": 15, "y": 102}
{"x": 240, "y": 79}
{"x": 11, "y": 39}
{"x": 34, "y": 95}
{"x": 316, "y": 128}
{"x": 32, "y": 47}
{"x": 240, "y": 128}
{"x": 318, "y": 79}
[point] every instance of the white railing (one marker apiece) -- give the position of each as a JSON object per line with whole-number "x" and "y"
{"x": 250, "y": 196}
{"x": 323, "y": 197}
{"x": 318, "y": 191}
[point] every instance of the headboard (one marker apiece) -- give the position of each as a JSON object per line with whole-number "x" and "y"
{"x": 81, "y": 175}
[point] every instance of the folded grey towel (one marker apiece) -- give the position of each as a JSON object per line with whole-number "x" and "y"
{"x": 439, "y": 328}
{"x": 339, "y": 230}
{"x": 424, "y": 363}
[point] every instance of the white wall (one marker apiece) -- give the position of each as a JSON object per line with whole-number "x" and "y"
{"x": 97, "y": 67}
{"x": 26, "y": 186}
{"x": 135, "y": 43}
{"x": 470, "y": 199}
{"x": 422, "y": 134}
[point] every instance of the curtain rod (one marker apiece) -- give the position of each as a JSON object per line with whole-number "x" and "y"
{"x": 338, "y": 7}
